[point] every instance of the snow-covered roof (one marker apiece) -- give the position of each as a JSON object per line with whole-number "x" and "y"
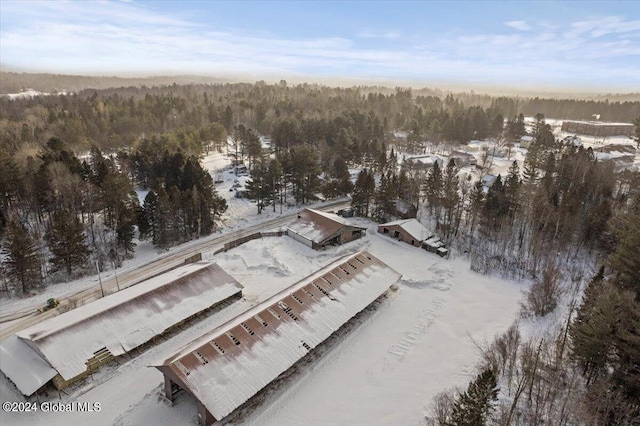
{"x": 526, "y": 138}
{"x": 318, "y": 226}
{"x": 24, "y": 367}
{"x": 411, "y": 227}
{"x": 427, "y": 160}
{"x": 488, "y": 179}
{"x": 599, "y": 123}
{"x": 126, "y": 319}
{"x": 265, "y": 142}
{"x": 230, "y": 364}
{"x": 434, "y": 242}
{"x": 461, "y": 154}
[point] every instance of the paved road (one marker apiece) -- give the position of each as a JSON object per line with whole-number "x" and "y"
{"x": 28, "y": 316}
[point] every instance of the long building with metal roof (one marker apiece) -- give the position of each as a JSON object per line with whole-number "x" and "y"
{"x": 78, "y": 341}
{"x": 227, "y": 366}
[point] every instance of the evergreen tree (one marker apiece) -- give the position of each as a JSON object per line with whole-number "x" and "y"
{"x": 497, "y": 126}
{"x": 259, "y": 188}
{"x": 476, "y": 205}
{"x": 9, "y": 181}
{"x": 512, "y": 188}
{"x": 341, "y": 171}
{"x": 275, "y": 174}
{"x": 384, "y": 200}
{"x": 147, "y": 218}
{"x": 626, "y": 258}
{"x": 67, "y": 242}
{"x": 21, "y": 261}
{"x": 305, "y": 168}
{"x": 515, "y": 128}
{"x": 473, "y": 406}
{"x": 363, "y": 191}
{"x": 539, "y": 124}
{"x": 530, "y": 175}
{"x": 120, "y": 209}
{"x": 433, "y": 189}
{"x": 450, "y": 197}
{"x": 496, "y": 204}
{"x": 545, "y": 137}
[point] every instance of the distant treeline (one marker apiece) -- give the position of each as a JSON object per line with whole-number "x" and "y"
{"x": 312, "y": 114}
{"x": 13, "y": 82}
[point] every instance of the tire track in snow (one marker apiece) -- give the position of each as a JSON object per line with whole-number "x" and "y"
{"x": 424, "y": 320}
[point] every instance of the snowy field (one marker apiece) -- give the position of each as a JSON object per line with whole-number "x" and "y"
{"x": 382, "y": 368}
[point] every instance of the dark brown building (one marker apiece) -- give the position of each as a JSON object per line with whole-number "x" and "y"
{"x": 318, "y": 229}
{"x": 409, "y": 231}
{"x": 598, "y": 129}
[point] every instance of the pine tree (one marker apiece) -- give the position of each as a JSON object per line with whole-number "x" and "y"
{"x": 473, "y": 406}
{"x": 531, "y": 165}
{"x": 450, "y": 196}
{"x": 476, "y": 204}
{"x": 9, "y": 181}
{"x": 275, "y": 174}
{"x": 626, "y": 258}
{"x": 21, "y": 262}
{"x": 433, "y": 190}
{"x": 384, "y": 200}
{"x": 67, "y": 242}
{"x": 512, "y": 188}
{"x": 363, "y": 192}
{"x": 516, "y": 128}
{"x": 147, "y": 217}
{"x": 259, "y": 187}
{"x": 496, "y": 204}
{"x": 341, "y": 172}
{"x": 305, "y": 169}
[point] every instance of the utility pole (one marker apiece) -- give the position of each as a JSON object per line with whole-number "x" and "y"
{"x": 99, "y": 279}
{"x": 115, "y": 271}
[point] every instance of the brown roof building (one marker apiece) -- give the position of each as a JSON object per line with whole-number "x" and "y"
{"x": 227, "y": 366}
{"x": 318, "y": 229}
{"x": 409, "y": 231}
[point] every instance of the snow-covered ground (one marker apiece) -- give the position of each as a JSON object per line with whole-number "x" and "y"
{"x": 30, "y": 93}
{"x": 240, "y": 214}
{"x": 383, "y": 368}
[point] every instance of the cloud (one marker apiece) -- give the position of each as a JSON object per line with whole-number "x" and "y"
{"x": 383, "y": 35}
{"x": 605, "y": 26}
{"x": 519, "y": 25}
{"x": 113, "y": 37}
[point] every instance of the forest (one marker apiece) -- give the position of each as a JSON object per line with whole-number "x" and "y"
{"x": 69, "y": 167}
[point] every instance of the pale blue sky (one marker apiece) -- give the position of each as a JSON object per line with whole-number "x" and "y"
{"x": 551, "y": 44}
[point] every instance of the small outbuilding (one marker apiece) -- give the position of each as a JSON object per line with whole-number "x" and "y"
{"x": 526, "y": 141}
{"x": 488, "y": 180}
{"x": 426, "y": 162}
{"x": 412, "y": 232}
{"x": 409, "y": 231}
{"x": 434, "y": 245}
{"x": 318, "y": 229}
{"x": 462, "y": 158}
